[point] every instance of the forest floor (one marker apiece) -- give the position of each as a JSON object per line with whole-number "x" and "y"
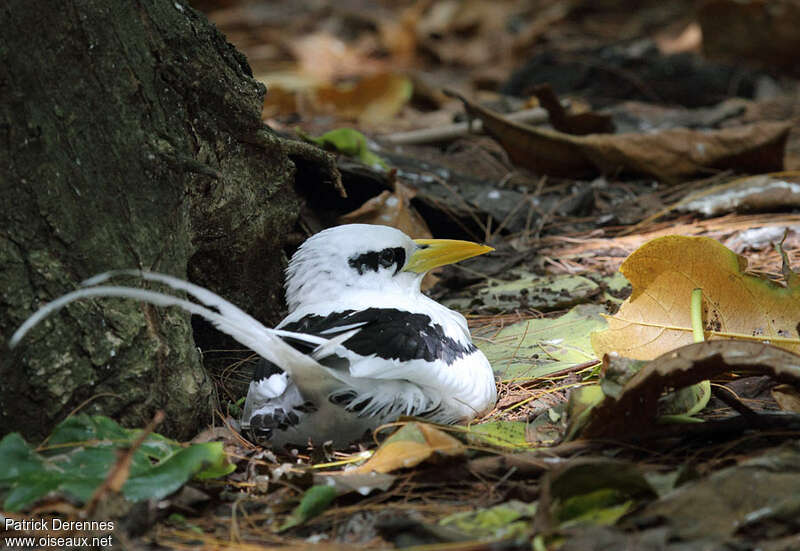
{"x": 639, "y": 120}
{"x": 576, "y": 138}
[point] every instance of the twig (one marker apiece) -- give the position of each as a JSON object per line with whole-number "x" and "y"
{"x": 729, "y": 398}
{"x": 450, "y": 132}
{"x": 118, "y": 474}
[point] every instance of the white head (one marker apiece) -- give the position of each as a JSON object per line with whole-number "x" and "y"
{"x": 366, "y": 257}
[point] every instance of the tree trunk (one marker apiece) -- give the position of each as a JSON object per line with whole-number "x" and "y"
{"x": 131, "y": 138}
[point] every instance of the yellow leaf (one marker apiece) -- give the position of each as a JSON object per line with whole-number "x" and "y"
{"x": 657, "y": 318}
{"x": 409, "y": 446}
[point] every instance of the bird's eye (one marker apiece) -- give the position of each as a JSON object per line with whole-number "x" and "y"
{"x": 386, "y": 257}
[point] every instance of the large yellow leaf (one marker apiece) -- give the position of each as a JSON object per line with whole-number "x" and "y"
{"x": 663, "y": 273}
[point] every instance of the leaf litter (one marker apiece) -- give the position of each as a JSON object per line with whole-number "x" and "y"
{"x": 577, "y": 454}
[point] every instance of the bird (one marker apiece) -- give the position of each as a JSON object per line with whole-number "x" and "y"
{"x": 361, "y": 344}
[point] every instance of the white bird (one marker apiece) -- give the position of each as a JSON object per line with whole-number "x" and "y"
{"x": 361, "y": 344}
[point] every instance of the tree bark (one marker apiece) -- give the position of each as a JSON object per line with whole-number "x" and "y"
{"x": 131, "y": 138}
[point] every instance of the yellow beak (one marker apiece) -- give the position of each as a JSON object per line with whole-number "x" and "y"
{"x": 433, "y": 253}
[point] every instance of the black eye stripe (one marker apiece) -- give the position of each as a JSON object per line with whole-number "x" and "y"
{"x": 374, "y": 260}
{"x": 386, "y": 257}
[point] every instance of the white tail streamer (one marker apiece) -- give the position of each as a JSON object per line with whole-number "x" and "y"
{"x": 231, "y": 320}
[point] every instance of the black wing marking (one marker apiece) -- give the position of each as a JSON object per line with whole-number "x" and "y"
{"x": 388, "y": 333}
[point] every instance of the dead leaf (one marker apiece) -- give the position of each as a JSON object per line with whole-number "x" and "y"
{"x": 409, "y": 446}
{"x": 391, "y": 209}
{"x": 666, "y": 154}
{"x": 765, "y": 192}
{"x": 758, "y": 495}
{"x": 787, "y": 397}
{"x": 663, "y": 272}
{"x": 373, "y": 99}
{"x": 580, "y": 124}
{"x": 636, "y": 409}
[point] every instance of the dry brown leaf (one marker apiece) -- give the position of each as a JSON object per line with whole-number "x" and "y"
{"x": 666, "y": 154}
{"x": 787, "y": 397}
{"x": 581, "y": 124}
{"x": 391, "y": 209}
{"x": 409, "y": 446}
{"x": 636, "y": 408}
{"x": 373, "y": 99}
{"x": 657, "y": 318}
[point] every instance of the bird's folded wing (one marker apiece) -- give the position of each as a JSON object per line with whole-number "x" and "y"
{"x": 387, "y": 339}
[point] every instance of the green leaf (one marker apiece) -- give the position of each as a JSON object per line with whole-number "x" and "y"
{"x": 685, "y": 402}
{"x": 175, "y": 471}
{"x": 82, "y": 450}
{"x": 350, "y": 142}
{"x": 28, "y": 488}
{"x": 500, "y": 434}
{"x": 17, "y": 458}
{"x": 315, "y": 500}
{"x": 602, "y": 507}
{"x": 538, "y": 347}
{"x": 507, "y": 520}
{"x": 582, "y": 401}
{"x": 596, "y": 491}
{"x": 528, "y": 290}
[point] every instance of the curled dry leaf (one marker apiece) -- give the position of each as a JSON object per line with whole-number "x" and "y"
{"x": 657, "y": 318}
{"x": 588, "y": 122}
{"x": 666, "y": 155}
{"x": 636, "y": 408}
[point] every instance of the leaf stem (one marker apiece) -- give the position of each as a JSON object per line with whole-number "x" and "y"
{"x": 697, "y": 315}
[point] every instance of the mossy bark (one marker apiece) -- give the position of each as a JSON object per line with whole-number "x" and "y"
{"x": 130, "y": 137}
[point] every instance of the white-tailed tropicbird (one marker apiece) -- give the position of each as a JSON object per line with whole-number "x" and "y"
{"x": 361, "y": 344}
